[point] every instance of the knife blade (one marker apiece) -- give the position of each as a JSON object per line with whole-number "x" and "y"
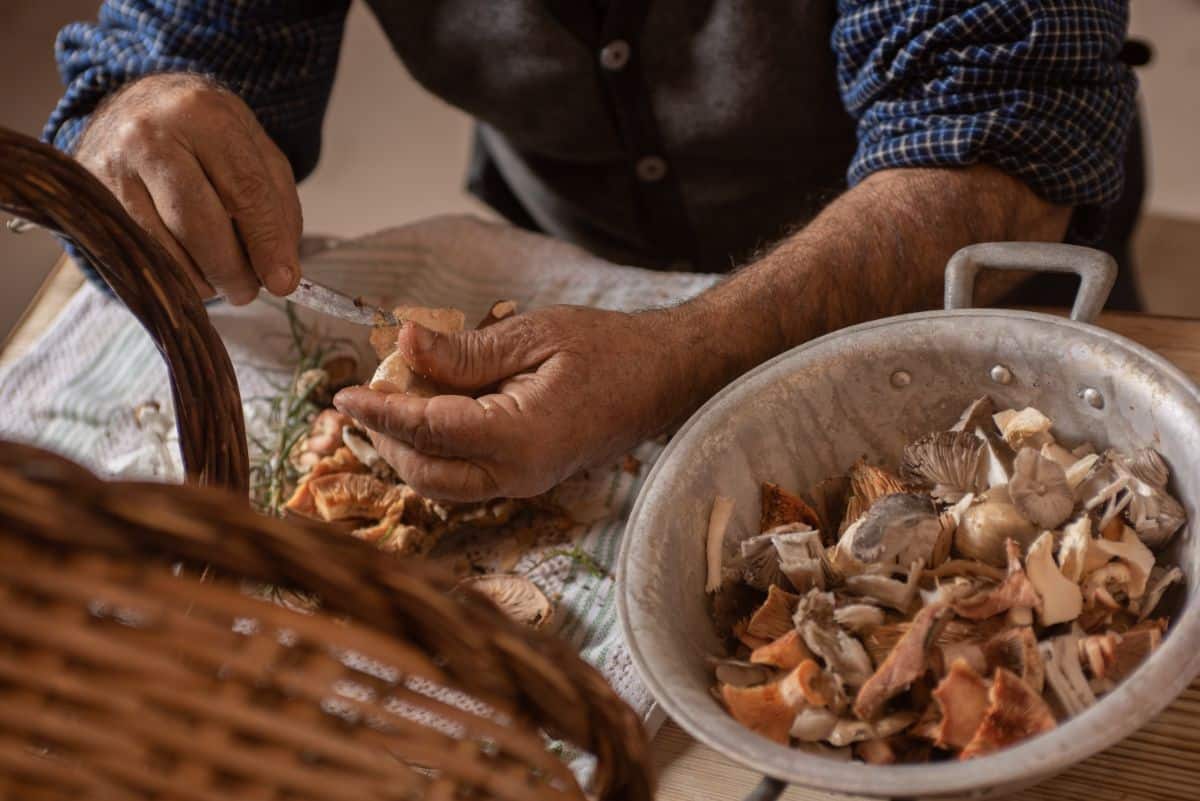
{"x": 312, "y": 295}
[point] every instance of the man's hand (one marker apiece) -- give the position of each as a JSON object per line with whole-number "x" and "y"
{"x": 544, "y": 395}
{"x": 191, "y": 165}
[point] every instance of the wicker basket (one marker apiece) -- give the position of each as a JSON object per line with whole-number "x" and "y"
{"x": 124, "y": 675}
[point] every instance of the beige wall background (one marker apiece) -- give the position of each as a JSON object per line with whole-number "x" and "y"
{"x": 393, "y": 153}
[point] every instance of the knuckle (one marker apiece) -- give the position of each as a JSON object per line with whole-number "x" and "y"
{"x": 251, "y": 190}
{"x": 425, "y": 437}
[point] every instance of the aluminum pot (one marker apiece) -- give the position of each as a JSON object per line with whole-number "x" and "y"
{"x": 868, "y": 390}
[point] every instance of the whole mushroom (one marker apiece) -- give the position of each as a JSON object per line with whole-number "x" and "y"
{"x": 1040, "y": 491}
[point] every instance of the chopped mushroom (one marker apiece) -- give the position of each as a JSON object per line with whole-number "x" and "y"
{"x": 393, "y": 373}
{"x": 1016, "y": 591}
{"x": 857, "y": 618}
{"x": 923, "y": 596}
{"x": 1016, "y": 650}
{"x": 737, "y": 673}
{"x": 1062, "y": 600}
{"x": 780, "y": 507}
{"x": 1160, "y": 580}
{"x": 761, "y": 709}
{"x": 901, "y": 527}
{"x": 1015, "y": 713}
{"x": 1027, "y": 428}
{"x": 987, "y": 526}
{"x": 1064, "y": 677}
{"x": 948, "y": 461}
{"x": 848, "y": 732}
{"x": 718, "y": 521}
{"x": 1131, "y": 551}
{"x": 869, "y": 483}
{"x": 784, "y": 653}
{"x": 800, "y": 556}
{"x": 516, "y": 596}
{"x": 898, "y": 595}
{"x": 841, "y": 653}
{"x": 813, "y": 723}
{"x": 962, "y": 697}
{"x": 907, "y": 661}
{"x": 760, "y": 562}
{"x": 1039, "y": 490}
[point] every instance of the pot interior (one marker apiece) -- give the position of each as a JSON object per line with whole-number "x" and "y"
{"x": 868, "y": 391}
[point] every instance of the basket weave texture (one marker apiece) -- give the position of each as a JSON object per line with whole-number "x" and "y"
{"x": 133, "y": 663}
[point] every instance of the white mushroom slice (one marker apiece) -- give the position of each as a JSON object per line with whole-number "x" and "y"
{"x": 718, "y": 521}
{"x": 858, "y": 617}
{"x": 760, "y": 562}
{"x": 986, "y": 526}
{"x": 948, "y": 461}
{"x": 800, "y": 556}
{"x": 848, "y": 732}
{"x": 516, "y": 596}
{"x": 898, "y": 595}
{"x": 1039, "y": 490}
{"x": 1102, "y": 586}
{"x": 1064, "y": 676}
{"x": 1077, "y": 553}
{"x": 1134, "y": 553}
{"x": 1080, "y": 470}
{"x": 1027, "y": 428}
{"x": 825, "y": 751}
{"x": 1062, "y": 600}
{"x": 813, "y": 723}
{"x": 843, "y": 654}
{"x": 1160, "y": 580}
{"x": 360, "y": 446}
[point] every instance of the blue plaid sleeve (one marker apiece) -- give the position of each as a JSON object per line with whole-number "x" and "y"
{"x": 280, "y": 56}
{"x": 1033, "y": 87}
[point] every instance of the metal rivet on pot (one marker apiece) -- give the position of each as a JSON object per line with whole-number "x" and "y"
{"x": 1001, "y": 374}
{"x": 1092, "y": 397}
{"x": 901, "y": 379}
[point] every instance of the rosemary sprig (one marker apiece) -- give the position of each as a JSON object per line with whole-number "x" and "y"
{"x": 288, "y": 417}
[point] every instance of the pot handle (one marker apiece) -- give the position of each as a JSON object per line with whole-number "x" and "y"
{"x": 1096, "y": 270}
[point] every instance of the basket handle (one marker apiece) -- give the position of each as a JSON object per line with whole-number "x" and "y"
{"x": 1096, "y": 270}
{"x": 49, "y": 189}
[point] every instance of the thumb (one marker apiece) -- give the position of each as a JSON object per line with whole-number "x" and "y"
{"x": 472, "y": 360}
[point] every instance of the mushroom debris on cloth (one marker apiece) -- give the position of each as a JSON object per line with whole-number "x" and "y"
{"x": 998, "y": 583}
{"x": 344, "y": 481}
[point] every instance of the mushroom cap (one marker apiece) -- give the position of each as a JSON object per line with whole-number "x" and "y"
{"x": 516, "y": 596}
{"x": 780, "y": 507}
{"x": 737, "y": 673}
{"x": 1025, "y": 428}
{"x": 1015, "y": 713}
{"x": 813, "y": 723}
{"x": 900, "y": 523}
{"x": 1039, "y": 489}
{"x": 948, "y": 461}
{"x": 977, "y": 417}
{"x": 869, "y": 483}
{"x": 985, "y": 527}
{"x": 904, "y": 665}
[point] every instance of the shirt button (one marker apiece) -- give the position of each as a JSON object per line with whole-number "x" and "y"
{"x": 651, "y": 169}
{"x": 615, "y": 55}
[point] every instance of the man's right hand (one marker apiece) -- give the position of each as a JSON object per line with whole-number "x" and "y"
{"x": 190, "y": 163}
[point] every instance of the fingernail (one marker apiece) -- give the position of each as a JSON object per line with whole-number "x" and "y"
{"x": 284, "y": 278}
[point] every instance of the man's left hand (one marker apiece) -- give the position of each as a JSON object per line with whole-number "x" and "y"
{"x": 543, "y": 395}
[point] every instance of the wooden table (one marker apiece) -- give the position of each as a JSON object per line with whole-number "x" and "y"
{"x": 1159, "y": 763}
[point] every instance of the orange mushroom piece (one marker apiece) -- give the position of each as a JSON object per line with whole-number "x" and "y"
{"x": 784, "y": 652}
{"x": 773, "y": 619}
{"x": 1015, "y": 713}
{"x": 780, "y": 507}
{"x": 761, "y": 709}
{"x": 962, "y": 697}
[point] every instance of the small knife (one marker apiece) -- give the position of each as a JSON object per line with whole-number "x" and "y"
{"x": 312, "y": 295}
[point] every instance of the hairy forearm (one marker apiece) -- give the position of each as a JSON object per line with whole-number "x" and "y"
{"x": 878, "y": 250}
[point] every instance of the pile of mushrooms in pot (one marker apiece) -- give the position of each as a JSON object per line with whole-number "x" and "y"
{"x": 997, "y": 584}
